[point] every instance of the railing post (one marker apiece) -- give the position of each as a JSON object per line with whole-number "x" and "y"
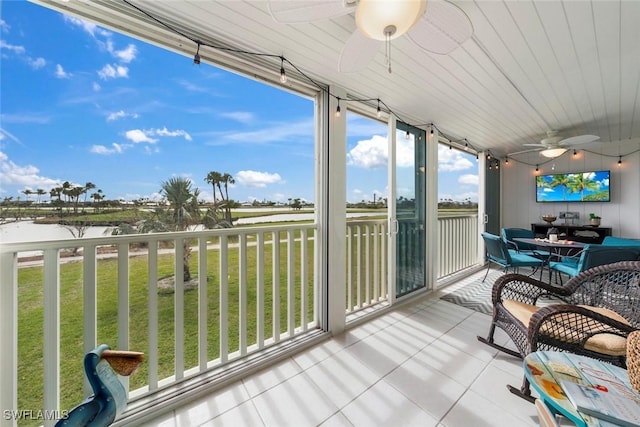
{"x": 51, "y": 333}
{"x": 9, "y": 336}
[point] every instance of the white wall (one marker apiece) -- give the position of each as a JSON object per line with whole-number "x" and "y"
{"x": 622, "y": 214}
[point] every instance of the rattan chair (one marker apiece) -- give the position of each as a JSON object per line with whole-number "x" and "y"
{"x": 591, "y": 315}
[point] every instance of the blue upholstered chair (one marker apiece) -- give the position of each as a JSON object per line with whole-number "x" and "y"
{"x": 498, "y": 253}
{"x": 508, "y": 234}
{"x": 593, "y": 256}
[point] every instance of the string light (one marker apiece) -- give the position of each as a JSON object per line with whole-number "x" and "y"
{"x": 497, "y": 164}
{"x": 466, "y": 145}
{"x": 196, "y": 57}
{"x": 537, "y": 168}
{"x": 407, "y": 136}
{"x": 619, "y": 160}
{"x": 451, "y": 147}
{"x": 283, "y": 74}
{"x": 575, "y": 153}
{"x": 506, "y": 160}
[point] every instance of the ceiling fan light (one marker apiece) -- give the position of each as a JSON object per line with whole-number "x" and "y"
{"x": 375, "y": 18}
{"x": 553, "y": 152}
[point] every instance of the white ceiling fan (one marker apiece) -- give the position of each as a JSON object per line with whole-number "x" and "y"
{"x": 436, "y": 26}
{"x": 554, "y": 145}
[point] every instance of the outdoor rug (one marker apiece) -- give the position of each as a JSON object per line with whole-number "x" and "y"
{"x": 472, "y": 293}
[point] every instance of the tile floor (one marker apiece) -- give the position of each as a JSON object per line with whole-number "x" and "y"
{"x": 418, "y": 365}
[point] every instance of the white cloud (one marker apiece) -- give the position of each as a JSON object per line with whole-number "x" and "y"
{"x": 24, "y": 176}
{"x": 61, "y": 73}
{"x": 115, "y": 149}
{"x": 86, "y": 26}
{"x": 301, "y": 130}
{"x": 138, "y": 136}
{"x": 165, "y": 132}
{"x": 37, "y": 63}
{"x": 450, "y": 160}
{"x": 96, "y": 87}
{"x": 374, "y": 153}
{"x": 251, "y": 178}
{"x": 4, "y": 133}
{"x": 14, "y": 48}
{"x": 369, "y": 153}
{"x": 4, "y": 26}
{"x": 239, "y": 116}
{"x": 111, "y": 72}
{"x": 120, "y": 115}
{"x": 25, "y": 118}
{"x": 125, "y": 55}
{"x": 469, "y": 179}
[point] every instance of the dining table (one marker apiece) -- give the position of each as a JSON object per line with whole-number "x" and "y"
{"x": 555, "y": 248}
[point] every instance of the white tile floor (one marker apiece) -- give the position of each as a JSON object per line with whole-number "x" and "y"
{"x": 418, "y": 365}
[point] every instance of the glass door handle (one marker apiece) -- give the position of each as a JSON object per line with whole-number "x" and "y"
{"x": 393, "y": 226}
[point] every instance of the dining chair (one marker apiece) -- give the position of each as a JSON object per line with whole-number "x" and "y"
{"x": 499, "y": 253}
{"x": 511, "y": 233}
{"x": 593, "y": 256}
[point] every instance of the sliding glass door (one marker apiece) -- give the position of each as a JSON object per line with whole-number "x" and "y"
{"x": 409, "y": 192}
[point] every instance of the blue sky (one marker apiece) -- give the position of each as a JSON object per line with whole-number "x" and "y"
{"x": 84, "y": 104}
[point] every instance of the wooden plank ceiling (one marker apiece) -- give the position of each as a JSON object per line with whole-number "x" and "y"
{"x": 529, "y": 67}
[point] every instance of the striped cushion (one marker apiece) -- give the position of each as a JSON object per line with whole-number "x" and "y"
{"x": 604, "y": 343}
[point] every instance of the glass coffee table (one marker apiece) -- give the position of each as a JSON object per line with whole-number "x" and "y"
{"x": 546, "y": 370}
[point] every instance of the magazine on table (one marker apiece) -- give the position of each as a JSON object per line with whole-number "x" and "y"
{"x": 612, "y": 407}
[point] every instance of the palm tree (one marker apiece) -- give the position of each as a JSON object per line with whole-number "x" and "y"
{"x": 581, "y": 182}
{"x": 40, "y": 192}
{"x": 87, "y": 187}
{"x": 183, "y": 212}
{"x": 227, "y": 179}
{"x": 562, "y": 181}
{"x": 214, "y": 179}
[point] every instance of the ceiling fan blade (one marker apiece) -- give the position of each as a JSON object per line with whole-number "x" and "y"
{"x": 358, "y": 52}
{"x": 523, "y": 152}
{"x": 580, "y": 139}
{"x": 534, "y": 145}
{"x": 298, "y": 11}
{"x": 442, "y": 29}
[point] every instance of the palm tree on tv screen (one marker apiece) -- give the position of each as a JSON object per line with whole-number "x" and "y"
{"x": 562, "y": 181}
{"x": 581, "y": 182}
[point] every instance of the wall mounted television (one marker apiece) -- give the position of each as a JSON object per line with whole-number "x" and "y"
{"x": 592, "y": 186}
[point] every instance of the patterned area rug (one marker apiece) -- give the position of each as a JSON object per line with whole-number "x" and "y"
{"x": 472, "y": 293}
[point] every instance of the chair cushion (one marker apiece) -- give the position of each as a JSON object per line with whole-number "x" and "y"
{"x": 604, "y": 343}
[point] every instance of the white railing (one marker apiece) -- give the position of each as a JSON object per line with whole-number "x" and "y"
{"x": 366, "y": 263}
{"x": 458, "y": 243}
{"x": 253, "y": 287}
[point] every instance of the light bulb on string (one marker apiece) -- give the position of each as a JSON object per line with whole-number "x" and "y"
{"x": 619, "y": 160}
{"x": 407, "y": 135}
{"x": 506, "y": 160}
{"x": 575, "y": 153}
{"x": 338, "y": 109}
{"x": 537, "y": 168}
{"x": 196, "y": 57}
{"x": 379, "y": 112}
{"x": 283, "y": 74}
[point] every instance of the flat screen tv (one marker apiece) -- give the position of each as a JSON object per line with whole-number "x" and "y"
{"x": 573, "y": 187}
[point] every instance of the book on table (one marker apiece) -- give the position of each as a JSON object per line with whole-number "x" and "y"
{"x": 608, "y": 406}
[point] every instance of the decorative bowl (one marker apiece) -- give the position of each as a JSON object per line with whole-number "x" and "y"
{"x": 549, "y": 218}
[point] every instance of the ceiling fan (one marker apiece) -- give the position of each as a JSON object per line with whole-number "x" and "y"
{"x": 436, "y": 26}
{"x": 555, "y": 145}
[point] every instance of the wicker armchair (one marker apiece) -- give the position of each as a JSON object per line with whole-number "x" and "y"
{"x": 592, "y": 315}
